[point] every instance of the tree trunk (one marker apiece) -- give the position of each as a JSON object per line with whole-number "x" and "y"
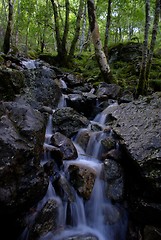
{"x": 147, "y": 59}
{"x": 57, "y": 32}
{"x": 7, "y": 38}
{"x": 153, "y": 39}
{"x": 108, "y": 20}
{"x": 142, "y": 77}
{"x": 82, "y": 37}
{"x": 65, "y": 34}
{"x": 100, "y": 55}
{"x": 17, "y": 25}
{"x": 77, "y": 29}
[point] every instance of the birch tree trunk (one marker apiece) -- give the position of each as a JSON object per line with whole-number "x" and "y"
{"x": 82, "y": 37}
{"x": 65, "y": 34}
{"x": 17, "y": 25}
{"x": 100, "y": 55}
{"x": 153, "y": 39}
{"x": 147, "y": 57}
{"x": 7, "y": 37}
{"x": 142, "y": 77}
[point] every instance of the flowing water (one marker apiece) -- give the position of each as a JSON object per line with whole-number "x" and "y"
{"x": 97, "y": 217}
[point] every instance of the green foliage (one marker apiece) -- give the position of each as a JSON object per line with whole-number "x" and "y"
{"x": 34, "y": 21}
{"x": 86, "y": 66}
{"x": 34, "y": 25}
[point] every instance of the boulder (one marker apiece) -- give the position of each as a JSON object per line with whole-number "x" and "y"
{"x": 11, "y": 84}
{"x": 114, "y": 178}
{"x": 65, "y": 145}
{"x": 82, "y": 178}
{"x": 107, "y": 91}
{"x": 68, "y": 122}
{"x": 125, "y": 52}
{"x": 46, "y": 220}
{"x": 41, "y": 88}
{"x": 137, "y": 125}
{"x": 22, "y": 179}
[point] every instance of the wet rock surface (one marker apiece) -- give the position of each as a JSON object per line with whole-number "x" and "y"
{"x": 82, "y": 178}
{"x": 12, "y": 81}
{"x": 65, "y": 145}
{"x": 68, "y": 122}
{"x": 114, "y": 178}
{"x": 137, "y": 124}
{"x": 131, "y": 172}
{"x": 21, "y": 137}
{"x": 46, "y": 220}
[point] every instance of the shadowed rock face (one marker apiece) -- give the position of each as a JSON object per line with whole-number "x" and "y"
{"x": 138, "y": 126}
{"x": 11, "y": 83}
{"x": 21, "y": 140}
{"x": 65, "y": 146}
{"x": 82, "y": 178}
{"x": 46, "y": 220}
{"x": 68, "y": 122}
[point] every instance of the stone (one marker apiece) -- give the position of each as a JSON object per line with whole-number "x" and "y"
{"x": 68, "y": 122}
{"x": 65, "y": 145}
{"x": 82, "y": 178}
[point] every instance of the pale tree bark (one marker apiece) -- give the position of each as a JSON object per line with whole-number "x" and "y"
{"x": 100, "y": 55}
{"x": 153, "y": 39}
{"x": 17, "y": 25}
{"x": 7, "y": 37}
{"x": 66, "y": 29}
{"x": 77, "y": 29}
{"x": 107, "y": 30}
{"x": 82, "y": 37}
{"x": 142, "y": 77}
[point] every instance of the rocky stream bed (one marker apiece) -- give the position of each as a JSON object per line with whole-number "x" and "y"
{"x": 127, "y": 131}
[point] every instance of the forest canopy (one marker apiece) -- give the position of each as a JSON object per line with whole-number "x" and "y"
{"x": 67, "y": 28}
{"x": 33, "y": 22}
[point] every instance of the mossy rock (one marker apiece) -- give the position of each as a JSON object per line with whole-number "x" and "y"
{"x": 12, "y": 81}
{"x": 155, "y": 84}
{"x": 32, "y": 54}
{"x": 1, "y": 60}
{"x": 125, "y": 52}
{"x": 48, "y": 58}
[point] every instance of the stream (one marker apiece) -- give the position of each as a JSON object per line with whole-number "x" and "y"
{"x": 94, "y": 219}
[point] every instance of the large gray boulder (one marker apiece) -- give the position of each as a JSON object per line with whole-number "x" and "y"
{"x": 65, "y": 146}
{"x": 68, "y": 122}
{"x": 82, "y": 178}
{"x": 138, "y": 126}
{"x": 11, "y": 83}
{"x": 46, "y": 220}
{"x": 41, "y": 88}
{"x": 22, "y": 179}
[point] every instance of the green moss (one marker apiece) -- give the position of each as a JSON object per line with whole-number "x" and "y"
{"x": 1, "y": 60}
{"x": 32, "y": 54}
{"x": 12, "y": 81}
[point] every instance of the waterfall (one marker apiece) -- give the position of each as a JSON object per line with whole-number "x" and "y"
{"x": 97, "y": 216}
{"x": 29, "y": 64}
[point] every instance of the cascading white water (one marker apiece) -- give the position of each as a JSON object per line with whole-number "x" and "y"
{"x": 94, "y": 217}
{"x": 29, "y": 64}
